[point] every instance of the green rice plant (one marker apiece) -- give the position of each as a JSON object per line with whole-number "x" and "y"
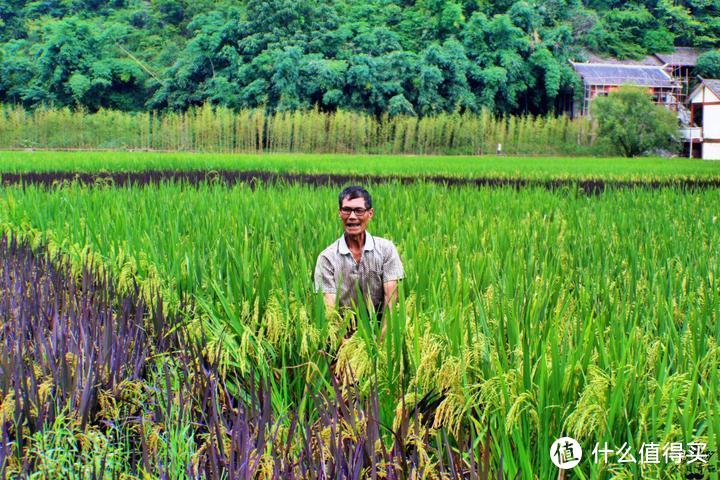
{"x": 176, "y": 418}
{"x": 173, "y": 441}
{"x": 527, "y": 315}
{"x": 490, "y": 167}
{"x": 64, "y": 450}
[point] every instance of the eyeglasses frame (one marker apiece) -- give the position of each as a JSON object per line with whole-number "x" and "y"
{"x": 355, "y": 211}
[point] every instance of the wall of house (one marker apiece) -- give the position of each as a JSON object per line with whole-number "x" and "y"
{"x": 711, "y": 127}
{"x": 706, "y": 94}
{"x": 711, "y": 151}
{"x": 711, "y": 121}
{"x": 710, "y": 96}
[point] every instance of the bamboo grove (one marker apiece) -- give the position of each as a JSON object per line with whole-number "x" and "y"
{"x": 524, "y": 314}
{"x": 209, "y": 129}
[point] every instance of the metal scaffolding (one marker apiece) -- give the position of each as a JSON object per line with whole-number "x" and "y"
{"x": 601, "y": 79}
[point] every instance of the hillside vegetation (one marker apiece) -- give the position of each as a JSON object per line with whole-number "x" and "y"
{"x": 376, "y": 56}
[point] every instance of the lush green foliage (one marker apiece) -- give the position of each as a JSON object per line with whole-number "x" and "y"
{"x": 531, "y": 322}
{"x": 393, "y": 56}
{"x": 708, "y": 64}
{"x": 629, "y": 120}
{"x": 541, "y": 168}
{"x": 254, "y": 131}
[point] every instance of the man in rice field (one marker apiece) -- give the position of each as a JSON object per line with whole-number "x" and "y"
{"x": 358, "y": 259}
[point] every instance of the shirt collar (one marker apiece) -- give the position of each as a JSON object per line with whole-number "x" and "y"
{"x": 369, "y": 244}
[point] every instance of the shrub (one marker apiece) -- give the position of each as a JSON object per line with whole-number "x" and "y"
{"x": 629, "y": 120}
{"x": 708, "y": 64}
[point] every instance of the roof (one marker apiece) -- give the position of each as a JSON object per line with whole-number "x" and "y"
{"x": 681, "y": 57}
{"x": 712, "y": 83}
{"x": 648, "y": 60}
{"x": 615, "y": 74}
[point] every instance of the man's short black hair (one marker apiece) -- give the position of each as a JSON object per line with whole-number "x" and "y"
{"x": 352, "y": 192}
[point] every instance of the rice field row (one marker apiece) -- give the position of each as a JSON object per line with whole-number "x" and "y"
{"x": 252, "y": 178}
{"x": 641, "y": 169}
{"x": 524, "y": 316}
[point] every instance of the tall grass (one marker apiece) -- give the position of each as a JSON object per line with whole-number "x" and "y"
{"x": 526, "y": 316}
{"x": 210, "y": 129}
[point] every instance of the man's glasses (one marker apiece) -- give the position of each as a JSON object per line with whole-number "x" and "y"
{"x": 359, "y": 211}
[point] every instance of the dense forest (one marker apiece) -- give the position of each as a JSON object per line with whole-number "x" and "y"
{"x": 377, "y": 56}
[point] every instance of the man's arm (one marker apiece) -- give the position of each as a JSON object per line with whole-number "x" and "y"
{"x": 324, "y": 280}
{"x": 329, "y": 299}
{"x": 392, "y": 271}
{"x": 391, "y": 296}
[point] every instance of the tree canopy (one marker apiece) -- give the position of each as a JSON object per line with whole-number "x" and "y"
{"x": 629, "y": 120}
{"x": 708, "y": 64}
{"x": 378, "y": 56}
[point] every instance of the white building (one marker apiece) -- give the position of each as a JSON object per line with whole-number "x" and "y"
{"x": 705, "y": 118}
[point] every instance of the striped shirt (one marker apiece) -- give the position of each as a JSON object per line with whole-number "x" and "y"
{"x": 337, "y": 271}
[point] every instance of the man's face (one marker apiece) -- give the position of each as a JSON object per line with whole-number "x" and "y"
{"x": 355, "y": 224}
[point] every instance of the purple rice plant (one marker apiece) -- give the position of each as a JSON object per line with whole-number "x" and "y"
{"x": 70, "y": 346}
{"x": 340, "y": 436}
{"x": 64, "y": 341}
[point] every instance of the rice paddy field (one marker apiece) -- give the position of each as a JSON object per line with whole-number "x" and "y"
{"x": 169, "y": 329}
{"x": 539, "y": 168}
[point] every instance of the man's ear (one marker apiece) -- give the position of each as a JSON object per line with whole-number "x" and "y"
{"x": 371, "y": 212}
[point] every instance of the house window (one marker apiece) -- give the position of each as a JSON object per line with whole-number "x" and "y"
{"x": 698, "y": 114}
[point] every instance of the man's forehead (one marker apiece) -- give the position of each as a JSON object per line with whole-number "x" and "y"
{"x": 355, "y": 202}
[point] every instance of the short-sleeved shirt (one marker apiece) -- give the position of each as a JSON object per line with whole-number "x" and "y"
{"x": 337, "y": 271}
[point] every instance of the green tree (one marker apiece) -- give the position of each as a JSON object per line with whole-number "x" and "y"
{"x": 622, "y": 32}
{"x": 525, "y": 16}
{"x": 629, "y": 120}
{"x": 443, "y": 83}
{"x": 74, "y": 62}
{"x": 708, "y": 64}
{"x": 377, "y": 56}
{"x": 678, "y": 19}
{"x": 498, "y": 50}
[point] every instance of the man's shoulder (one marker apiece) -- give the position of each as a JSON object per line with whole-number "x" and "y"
{"x": 384, "y": 244}
{"x": 330, "y": 251}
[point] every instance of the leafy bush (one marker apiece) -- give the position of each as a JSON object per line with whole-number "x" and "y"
{"x": 708, "y": 64}
{"x": 629, "y": 120}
